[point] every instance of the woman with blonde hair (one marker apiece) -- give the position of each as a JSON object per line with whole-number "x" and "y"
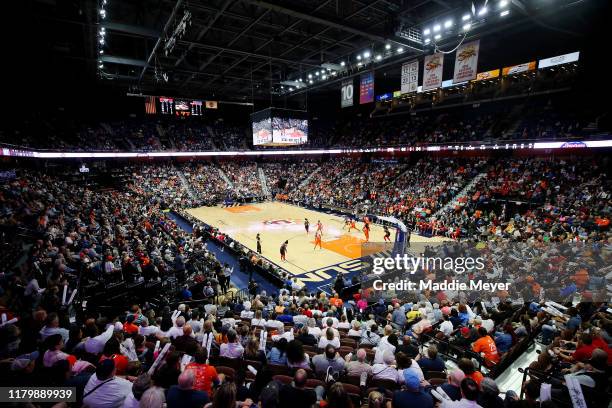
{"x": 376, "y": 400}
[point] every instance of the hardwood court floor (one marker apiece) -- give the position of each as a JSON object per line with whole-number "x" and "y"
{"x": 277, "y": 222}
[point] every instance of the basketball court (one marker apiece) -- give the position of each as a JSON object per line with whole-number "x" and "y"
{"x": 278, "y": 222}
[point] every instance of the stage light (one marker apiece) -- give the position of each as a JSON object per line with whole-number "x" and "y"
{"x": 359, "y": 64}
{"x": 503, "y": 3}
{"x": 290, "y": 89}
{"x": 359, "y": 58}
{"x": 387, "y": 46}
{"x": 309, "y": 76}
{"x": 426, "y": 31}
{"x": 310, "y": 82}
{"x": 437, "y": 36}
{"x": 342, "y": 63}
{"x": 101, "y": 66}
{"x": 102, "y": 13}
{"x": 427, "y": 40}
{"x": 400, "y": 49}
{"x": 465, "y": 17}
{"x": 102, "y": 41}
{"x": 317, "y": 73}
{"x": 378, "y": 57}
{"x": 324, "y": 77}
{"x": 466, "y": 27}
{"x": 282, "y": 87}
{"x": 437, "y": 28}
{"x": 101, "y": 52}
{"x": 448, "y": 24}
{"x": 483, "y": 11}
{"x": 366, "y": 54}
{"x": 504, "y": 13}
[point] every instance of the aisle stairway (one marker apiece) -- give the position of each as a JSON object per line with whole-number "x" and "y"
{"x": 264, "y": 183}
{"x": 185, "y": 183}
{"x": 467, "y": 190}
{"x": 225, "y": 178}
{"x": 305, "y": 182}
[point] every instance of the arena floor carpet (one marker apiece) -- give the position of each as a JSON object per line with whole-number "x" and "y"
{"x": 277, "y": 222}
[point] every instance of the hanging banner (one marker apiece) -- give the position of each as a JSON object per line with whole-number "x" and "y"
{"x": 366, "y": 88}
{"x": 481, "y": 76}
{"x": 432, "y": 71}
{"x": 466, "y": 62}
{"x": 346, "y": 93}
{"x": 558, "y": 60}
{"x": 410, "y": 76}
{"x": 516, "y": 69}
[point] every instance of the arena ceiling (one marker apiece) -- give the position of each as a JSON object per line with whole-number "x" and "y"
{"x": 243, "y": 49}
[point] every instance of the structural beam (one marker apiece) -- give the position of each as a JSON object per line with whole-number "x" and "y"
{"x": 123, "y": 61}
{"x": 130, "y": 29}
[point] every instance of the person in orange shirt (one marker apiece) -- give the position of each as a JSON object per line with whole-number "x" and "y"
{"x": 129, "y": 326}
{"x": 318, "y": 240}
{"x": 467, "y": 366}
{"x": 353, "y": 226}
{"x": 486, "y": 345}
{"x": 205, "y": 375}
{"x": 366, "y": 229}
{"x": 336, "y": 301}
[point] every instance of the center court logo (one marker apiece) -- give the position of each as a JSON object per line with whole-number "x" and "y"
{"x": 279, "y": 222}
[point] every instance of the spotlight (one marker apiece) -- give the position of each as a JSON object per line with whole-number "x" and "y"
{"x": 504, "y": 13}
{"x": 102, "y": 13}
{"x": 309, "y": 76}
{"x": 290, "y": 89}
{"x": 465, "y": 17}
{"x": 310, "y": 82}
{"x": 366, "y": 54}
{"x": 324, "y": 77}
{"x": 102, "y": 41}
{"x": 101, "y": 52}
{"x": 101, "y": 66}
{"x": 317, "y": 73}
{"x": 483, "y": 11}
{"x": 503, "y": 3}
{"x": 400, "y": 49}
{"x": 387, "y": 46}
{"x": 282, "y": 87}
{"x": 448, "y": 24}
{"x": 426, "y": 31}
{"x": 359, "y": 58}
{"x": 466, "y": 27}
{"x": 437, "y": 36}
{"x": 378, "y": 57}
{"x": 300, "y": 80}
{"x": 342, "y": 63}
{"x": 437, "y": 28}
{"x": 427, "y": 40}
{"x": 359, "y": 64}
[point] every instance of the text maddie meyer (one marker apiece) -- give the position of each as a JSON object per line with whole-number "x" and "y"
{"x": 453, "y": 285}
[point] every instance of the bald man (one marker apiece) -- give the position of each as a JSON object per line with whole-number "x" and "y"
{"x": 452, "y": 388}
{"x": 183, "y": 395}
{"x": 295, "y": 395}
{"x": 359, "y": 366}
{"x": 186, "y": 342}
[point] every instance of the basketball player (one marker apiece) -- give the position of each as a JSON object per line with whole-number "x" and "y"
{"x": 317, "y": 240}
{"x": 353, "y": 225}
{"x": 347, "y": 223}
{"x": 366, "y": 228}
{"x": 319, "y": 227}
{"x": 258, "y": 244}
{"x": 283, "y": 251}
{"x": 306, "y": 225}
{"x": 387, "y": 234}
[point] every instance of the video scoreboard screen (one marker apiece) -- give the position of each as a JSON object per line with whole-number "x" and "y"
{"x": 279, "y": 127}
{"x": 179, "y": 107}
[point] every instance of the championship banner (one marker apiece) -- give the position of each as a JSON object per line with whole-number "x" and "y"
{"x": 366, "y": 88}
{"x": 517, "y": 69}
{"x": 466, "y": 62}
{"x": 432, "y": 71}
{"x": 410, "y": 76}
{"x": 481, "y": 76}
{"x": 346, "y": 93}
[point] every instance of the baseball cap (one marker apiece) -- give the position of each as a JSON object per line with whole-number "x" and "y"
{"x": 465, "y": 330}
{"x": 411, "y": 379}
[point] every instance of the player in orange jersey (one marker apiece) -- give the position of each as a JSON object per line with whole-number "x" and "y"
{"x": 319, "y": 227}
{"x": 318, "y": 240}
{"x": 366, "y": 229}
{"x": 353, "y": 226}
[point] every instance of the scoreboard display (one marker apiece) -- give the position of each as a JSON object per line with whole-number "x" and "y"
{"x": 180, "y": 107}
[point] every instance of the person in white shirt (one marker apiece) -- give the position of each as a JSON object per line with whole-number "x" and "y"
{"x": 329, "y": 323}
{"x": 52, "y": 327}
{"x": 95, "y": 345}
{"x": 272, "y": 323}
{"x": 313, "y": 329}
{"x": 247, "y": 313}
{"x": 147, "y": 330}
{"x": 385, "y": 369}
{"x": 355, "y": 329}
{"x": 488, "y": 323}
{"x": 104, "y": 389}
{"x": 388, "y": 342}
{"x": 344, "y": 324}
{"x": 329, "y": 338}
{"x": 257, "y": 320}
{"x": 177, "y": 329}
{"x": 446, "y": 326}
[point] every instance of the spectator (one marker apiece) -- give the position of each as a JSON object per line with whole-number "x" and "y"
{"x": 412, "y": 395}
{"x": 232, "y": 349}
{"x": 469, "y": 396}
{"x": 104, "y": 389}
{"x": 295, "y": 395}
{"x": 184, "y": 395}
{"x": 328, "y": 362}
{"x": 205, "y": 376}
{"x": 432, "y": 362}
